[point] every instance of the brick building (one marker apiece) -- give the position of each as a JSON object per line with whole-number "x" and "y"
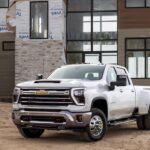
{"x": 39, "y": 36}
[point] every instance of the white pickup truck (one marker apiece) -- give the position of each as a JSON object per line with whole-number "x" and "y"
{"x": 86, "y": 98}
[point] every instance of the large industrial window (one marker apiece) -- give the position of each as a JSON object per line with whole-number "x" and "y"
{"x": 4, "y": 3}
{"x": 138, "y": 57}
{"x": 92, "y": 31}
{"x": 101, "y": 5}
{"x": 137, "y": 3}
{"x": 39, "y": 20}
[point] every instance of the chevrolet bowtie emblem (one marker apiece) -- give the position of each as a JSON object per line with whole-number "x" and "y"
{"x": 41, "y": 92}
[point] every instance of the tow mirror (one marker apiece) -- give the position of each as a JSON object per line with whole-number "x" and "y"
{"x": 112, "y": 85}
{"x": 39, "y": 77}
{"x": 121, "y": 81}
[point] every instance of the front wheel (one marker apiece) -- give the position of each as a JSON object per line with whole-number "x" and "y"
{"x": 30, "y": 132}
{"x": 97, "y": 127}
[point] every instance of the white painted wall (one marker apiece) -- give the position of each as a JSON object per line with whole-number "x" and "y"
{"x": 22, "y": 20}
{"x": 3, "y": 26}
{"x": 56, "y": 20}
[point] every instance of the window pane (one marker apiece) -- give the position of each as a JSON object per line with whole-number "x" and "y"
{"x": 111, "y": 75}
{"x": 135, "y": 44}
{"x": 135, "y": 3}
{"x": 105, "y": 5}
{"x": 109, "y": 58}
{"x": 79, "y": 5}
{"x": 8, "y": 46}
{"x": 105, "y": 46}
{"x": 74, "y": 58}
{"x": 148, "y": 3}
{"x": 4, "y": 3}
{"x": 92, "y": 58}
{"x": 148, "y": 43}
{"x": 109, "y": 26}
{"x": 104, "y": 25}
{"x": 39, "y": 20}
{"x": 136, "y": 64}
{"x": 79, "y": 46}
{"x": 148, "y": 64}
{"x": 79, "y": 26}
{"x": 120, "y": 71}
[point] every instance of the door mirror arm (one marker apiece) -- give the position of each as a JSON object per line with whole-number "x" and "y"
{"x": 112, "y": 85}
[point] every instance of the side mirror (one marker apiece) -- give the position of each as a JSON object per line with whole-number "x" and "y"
{"x": 122, "y": 80}
{"x": 39, "y": 77}
{"x": 112, "y": 85}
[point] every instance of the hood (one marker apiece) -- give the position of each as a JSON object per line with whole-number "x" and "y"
{"x": 62, "y": 83}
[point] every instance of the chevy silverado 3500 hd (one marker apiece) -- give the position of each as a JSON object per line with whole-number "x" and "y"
{"x": 86, "y": 98}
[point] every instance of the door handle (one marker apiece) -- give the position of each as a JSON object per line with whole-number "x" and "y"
{"x": 121, "y": 90}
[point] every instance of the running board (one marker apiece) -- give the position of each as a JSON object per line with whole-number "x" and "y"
{"x": 119, "y": 122}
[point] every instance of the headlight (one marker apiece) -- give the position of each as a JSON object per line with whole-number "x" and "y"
{"x": 16, "y": 94}
{"x": 78, "y": 95}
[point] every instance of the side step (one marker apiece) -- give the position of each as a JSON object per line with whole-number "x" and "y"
{"x": 119, "y": 122}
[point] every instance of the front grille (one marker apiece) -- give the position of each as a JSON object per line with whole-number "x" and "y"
{"x": 52, "y": 98}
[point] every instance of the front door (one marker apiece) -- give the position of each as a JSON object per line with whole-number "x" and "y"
{"x": 121, "y": 99}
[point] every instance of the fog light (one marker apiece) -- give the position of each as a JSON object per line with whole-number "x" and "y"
{"x": 79, "y": 118}
{"x": 25, "y": 118}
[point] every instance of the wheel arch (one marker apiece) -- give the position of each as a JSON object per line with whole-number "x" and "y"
{"x": 100, "y": 103}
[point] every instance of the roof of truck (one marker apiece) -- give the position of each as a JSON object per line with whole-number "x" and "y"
{"x": 98, "y": 64}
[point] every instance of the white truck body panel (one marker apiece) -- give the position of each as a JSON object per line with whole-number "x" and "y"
{"x": 121, "y": 102}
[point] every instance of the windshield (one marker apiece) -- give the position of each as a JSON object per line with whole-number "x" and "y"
{"x": 78, "y": 72}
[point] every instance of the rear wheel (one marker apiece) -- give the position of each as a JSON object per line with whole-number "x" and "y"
{"x": 140, "y": 123}
{"x": 30, "y": 133}
{"x": 147, "y": 121}
{"x": 97, "y": 127}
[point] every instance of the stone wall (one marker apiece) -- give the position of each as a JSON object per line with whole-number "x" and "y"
{"x": 37, "y": 56}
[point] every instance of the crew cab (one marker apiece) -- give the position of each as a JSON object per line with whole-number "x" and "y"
{"x": 84, "y": 97}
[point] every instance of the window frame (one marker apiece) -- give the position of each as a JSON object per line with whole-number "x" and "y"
{"x": 145, "y": 50}
{"x": 7, "y": 42}
{"x": 91, "y": 40}
{"x": 145, "y": 5}
{"x": 6, "y": 6}
{"x": 47, "y": 19}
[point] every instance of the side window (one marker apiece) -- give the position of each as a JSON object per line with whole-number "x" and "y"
{"x": 121, "y": 71}
{"x": 111, "y": 75}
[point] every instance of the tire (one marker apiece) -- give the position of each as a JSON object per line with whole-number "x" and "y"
{"x": 98, "y": 122}
{"x": 140, "y": 123}
{"x": 30, "y": 133}
{"x": 147, "y": 121}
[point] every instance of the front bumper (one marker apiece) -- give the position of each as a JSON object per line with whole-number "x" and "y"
{"x": 71, "y": 120}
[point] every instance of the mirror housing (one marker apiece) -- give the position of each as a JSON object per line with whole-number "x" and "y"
{"x": 112, "y": 85}
{"x": 39, "y": 77}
